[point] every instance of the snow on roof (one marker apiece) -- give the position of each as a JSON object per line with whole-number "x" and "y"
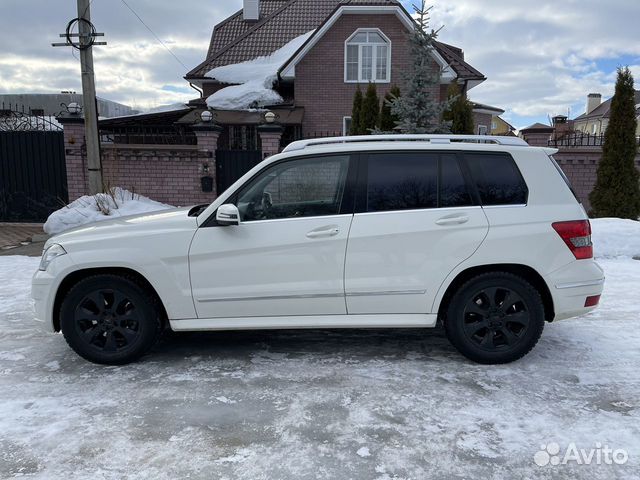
{"x": 253, "y": 80}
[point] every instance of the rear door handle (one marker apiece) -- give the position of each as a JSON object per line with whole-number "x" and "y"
{"x": 324, "y": 232}
{"x": 455, "y": 219}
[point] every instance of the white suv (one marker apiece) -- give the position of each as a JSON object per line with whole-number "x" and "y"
{"x": 482, "y": 233}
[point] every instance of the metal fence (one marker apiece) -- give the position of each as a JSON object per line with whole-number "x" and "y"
{"x": 20, "y": 118}
{"x": 580, "y": 139}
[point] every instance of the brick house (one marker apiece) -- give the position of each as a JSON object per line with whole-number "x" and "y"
{"x": 353, "y": 42}
{"x": 319, "y": 52}
{"x": 595, "y": 119}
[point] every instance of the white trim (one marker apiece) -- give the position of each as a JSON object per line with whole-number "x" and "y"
{"x": 374, "y": 56}
{"x": 590, "y": 283}
{"x": 486, "y": 130}
{"x": 289, "y": 71}
{"x": 309, "y": 321}
{"x": 344, "y": 125}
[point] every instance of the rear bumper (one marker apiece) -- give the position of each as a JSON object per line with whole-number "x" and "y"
{"x": 571, "y": 285}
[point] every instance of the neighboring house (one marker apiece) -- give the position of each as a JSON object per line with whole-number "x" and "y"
{"x": 46, "y": 104}
{"x": 483, "y": 116}
{"x": 499, "y": 126}
{"x": 596, "y": 118}
{"x": 311, "y": 56}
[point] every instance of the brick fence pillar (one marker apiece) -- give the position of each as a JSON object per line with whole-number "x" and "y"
{"x": 207, "y": 135}
{"x": 537, "y": 135}
{"x": 270, "y": 136}
{"x": 75, "y": 158}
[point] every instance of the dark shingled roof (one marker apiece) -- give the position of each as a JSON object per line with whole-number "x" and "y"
{"x": 604, "y": 109}
{"x": 235, "y": 41}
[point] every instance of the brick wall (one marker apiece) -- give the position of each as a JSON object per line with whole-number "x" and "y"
{"x": 482, "y": 119}
{"x": 580, "y": 165}
{"x": 320, "y": 86}
{"x": 166, "y": 175}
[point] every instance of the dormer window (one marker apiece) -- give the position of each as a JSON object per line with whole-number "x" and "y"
{"x": 367, "y": 57}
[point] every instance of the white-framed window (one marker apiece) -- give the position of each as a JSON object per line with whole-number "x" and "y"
{"x": 482, "y": 129}
{"x": 367, "y": 57}
{"x": 594, "y": 129}
{"x": 494, "y": 125}
{"x": 346, "y": 126}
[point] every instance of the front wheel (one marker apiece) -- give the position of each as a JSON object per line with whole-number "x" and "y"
{"x": 495, "y": 318}
{"x": 109, "y": 319}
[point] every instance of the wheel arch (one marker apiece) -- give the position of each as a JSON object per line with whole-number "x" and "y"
{"x": 74, "y": 277}
{"x": 524, "y": 271}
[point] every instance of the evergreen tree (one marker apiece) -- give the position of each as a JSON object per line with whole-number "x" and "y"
{"x": 419, "y": 109}
{"x": 617, "y": 191}
{"x": 356, "y": 113}
{"x": 370, "y": 110}
{"x": 460, "y": 111}
{"x": 388, "y": 121}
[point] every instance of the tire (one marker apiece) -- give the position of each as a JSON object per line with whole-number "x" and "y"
{"x": 495, "y": 318}
{"x": 110, "y": 319}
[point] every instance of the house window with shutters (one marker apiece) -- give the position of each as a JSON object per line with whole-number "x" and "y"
{"x": 367, "y": 57}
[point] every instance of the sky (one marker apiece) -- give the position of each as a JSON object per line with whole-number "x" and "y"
{"x": 541, "y": 57}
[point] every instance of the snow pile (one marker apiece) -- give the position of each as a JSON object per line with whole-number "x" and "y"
{"x": 254, "y": 79}
{"x": 118, "y": 202}
{"x": 615, "y": 237}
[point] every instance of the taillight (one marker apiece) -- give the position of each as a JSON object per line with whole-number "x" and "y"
{"x": 577, "y": 235}
{"x": 592, "y": 301}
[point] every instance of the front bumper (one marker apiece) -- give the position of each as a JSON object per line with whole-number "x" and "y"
{"x": 44, "y": 286}
{"x": 571, "y": 285}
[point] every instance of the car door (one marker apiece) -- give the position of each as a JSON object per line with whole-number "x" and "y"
{"x": 416, "y": 219}
{"x": 286, "y": 257}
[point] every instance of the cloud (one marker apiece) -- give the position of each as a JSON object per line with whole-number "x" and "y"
{"x": 541, "y": 57}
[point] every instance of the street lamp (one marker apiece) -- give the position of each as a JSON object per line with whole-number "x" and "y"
{"x": 74, "y": 108}
{"x": 270, "y": 117}
{"x": 206, "y": 116}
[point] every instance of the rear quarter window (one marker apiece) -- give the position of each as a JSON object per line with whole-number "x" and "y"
{"x": 497, "y": 178}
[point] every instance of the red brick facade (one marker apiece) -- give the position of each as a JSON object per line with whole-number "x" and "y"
{"x": 580, "y": 165}
{"x": 170, "y": 174}
{"x": 319, "y": 85}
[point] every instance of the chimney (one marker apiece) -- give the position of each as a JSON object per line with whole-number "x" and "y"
{"x": 251, "y": 10}
{"x": 593, "y": 102}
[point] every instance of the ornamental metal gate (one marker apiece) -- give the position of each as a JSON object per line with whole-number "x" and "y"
{"x": 233, "y": 164}
{"x": 33, "y": 177}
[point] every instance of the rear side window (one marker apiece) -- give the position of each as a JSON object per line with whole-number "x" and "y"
{"x": 498, "y": 179}
{"x": 414, "y": 181}
{"x": 402, "y": 181}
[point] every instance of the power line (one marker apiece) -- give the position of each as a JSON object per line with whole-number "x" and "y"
{"x": 153, "y": 33}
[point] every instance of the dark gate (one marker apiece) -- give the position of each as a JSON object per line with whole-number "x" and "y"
{"x": 33, "y": 177}
{"x": 232, "y": 164}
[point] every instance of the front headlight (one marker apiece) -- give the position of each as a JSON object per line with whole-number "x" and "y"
{"x": 50, "y": 254}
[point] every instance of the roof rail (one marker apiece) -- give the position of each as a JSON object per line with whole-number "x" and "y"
{"x": 435, "y": 139}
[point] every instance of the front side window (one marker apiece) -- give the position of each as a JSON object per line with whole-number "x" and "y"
{"x": 368, "y": 57}
{"x": 307, "y": 187}
{"x": 498, "y": 179}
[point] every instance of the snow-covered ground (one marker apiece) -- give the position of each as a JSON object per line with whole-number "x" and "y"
{"x": 118, "y": 202}
{"x": 383, "y": 405}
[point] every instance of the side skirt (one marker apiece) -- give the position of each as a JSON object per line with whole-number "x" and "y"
{"x": 313, "y": 321}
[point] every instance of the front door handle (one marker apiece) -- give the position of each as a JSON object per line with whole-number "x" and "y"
{"x": 324, "y": 232}
{"x": 455, "y": 219}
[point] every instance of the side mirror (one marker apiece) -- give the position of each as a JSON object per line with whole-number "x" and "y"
{"x": 228, "y": 214}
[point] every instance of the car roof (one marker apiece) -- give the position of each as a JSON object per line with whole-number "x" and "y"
{"x": 407, "y": 142}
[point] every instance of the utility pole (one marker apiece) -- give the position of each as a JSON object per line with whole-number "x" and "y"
{"x": 86, "y": 40}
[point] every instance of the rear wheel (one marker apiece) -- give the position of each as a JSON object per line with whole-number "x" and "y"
{"x": 109, "y": 319}
{"x": 495, "y": 318}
